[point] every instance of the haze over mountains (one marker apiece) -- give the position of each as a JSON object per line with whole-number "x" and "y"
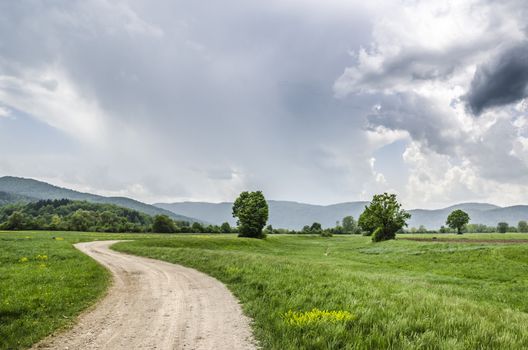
{"x": 283, "y": 214}
{"x": 293, "y": 215}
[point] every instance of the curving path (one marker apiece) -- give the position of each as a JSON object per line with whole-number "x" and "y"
{"x": 156, "y": 305}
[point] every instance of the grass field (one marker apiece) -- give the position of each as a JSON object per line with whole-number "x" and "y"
{"x": 302, "y": 292}
{"x": 397, "y": 294}
{"x": 44, "y": 284}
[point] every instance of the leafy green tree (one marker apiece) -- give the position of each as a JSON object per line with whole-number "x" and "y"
{"x": 268, "y": 229}
{"x": 109, "y": 221}
{"x": 81, "y": 220}
{"x": 225, "y": 228}
{"x": 338, "y": 230}
{"x": 56, "y": 222}
{"x": 522, "y": 226}
{"x": 17, "y": 221}
{"x": 196, "y": 227}
{"x": 251, "y": 211}
{"x": 502, "y": 227}
{"x": 316, "y": 228}
{"x": 350, "y": 225}
{"x": 457, "y": 220}
{"x": 163, "y": 224}
{"x": 383, "y": 217}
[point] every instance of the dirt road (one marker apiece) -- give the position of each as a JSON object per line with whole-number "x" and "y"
{"x": 156, "y": 305}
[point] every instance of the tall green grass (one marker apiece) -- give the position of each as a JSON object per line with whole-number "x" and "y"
{"x": 302, "y": 292}
{"x": 399, "y": 294}
{"x": 44, "y": 284}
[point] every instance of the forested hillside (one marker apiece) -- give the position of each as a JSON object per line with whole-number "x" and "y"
{"x": 29, "y": 189}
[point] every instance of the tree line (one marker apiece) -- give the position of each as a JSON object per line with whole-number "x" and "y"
{"x": 382, "y": 218}
{"x": 70, "y": 215}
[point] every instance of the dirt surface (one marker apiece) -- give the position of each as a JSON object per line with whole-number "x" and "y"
{"x": 462, "y": 240}
{"x": 156, "y": 305}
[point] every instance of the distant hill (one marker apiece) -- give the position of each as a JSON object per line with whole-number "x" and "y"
{"x": 294, "y": 215}
{"x": 32, "y": 190}
{"x": 11, "y": 198}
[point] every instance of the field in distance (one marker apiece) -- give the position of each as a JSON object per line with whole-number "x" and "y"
{"x": 303, "y": 292}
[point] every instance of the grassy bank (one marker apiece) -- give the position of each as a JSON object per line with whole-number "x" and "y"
{"x": 398, "y": 294}
{"x": 44, "y": 284}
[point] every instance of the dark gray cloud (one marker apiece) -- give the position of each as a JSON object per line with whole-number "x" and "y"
{"x": 502, "y": 81}
{"x": 423, "y": 120}
{"x": 213, "y": 98}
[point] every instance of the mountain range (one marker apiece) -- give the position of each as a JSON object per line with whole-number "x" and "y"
{"x": 294, "y": 215}
{"x": 17, "y": 189}
{"x": 282, "y": 214}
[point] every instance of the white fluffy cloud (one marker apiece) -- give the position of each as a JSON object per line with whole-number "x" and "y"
{"x": 423, "y": 60}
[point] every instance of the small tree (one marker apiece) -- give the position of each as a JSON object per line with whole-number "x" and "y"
{"x": 268, "y": 229}
{"x": 316, "y": 228}
{"x": 383, "y": 217}
{"x": 163, "y": 224}
{"x": 17, "y": 221}
{"x": 251, "y": 211}
{"x": 457, "y": 220}
{"x": 522, "y": 226}
{"x": 81, "y": 220}
{"x": 225, "y": 228}
{"x": 196, "y": 227}
{"x": 350, "y": 225}
{"x": 502, "y": 227}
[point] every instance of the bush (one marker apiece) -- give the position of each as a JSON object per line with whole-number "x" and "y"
{"x": 326, "y": 233}
{"x": 502, "y": 227}
{"x": 163, "y": 224}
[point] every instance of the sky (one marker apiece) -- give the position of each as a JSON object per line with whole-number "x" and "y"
{"x": 311, "y": 101}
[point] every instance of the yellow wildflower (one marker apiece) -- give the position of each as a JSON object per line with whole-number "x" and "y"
{"x": 23, "y": 259}
{"x": 297, "y": 318}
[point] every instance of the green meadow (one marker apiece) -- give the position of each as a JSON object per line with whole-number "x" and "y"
{"x": 303, "y": 292}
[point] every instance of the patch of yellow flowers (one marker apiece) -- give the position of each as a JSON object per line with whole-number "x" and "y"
{"x": 299, "y": 319}
{"x": 39, "y": 257}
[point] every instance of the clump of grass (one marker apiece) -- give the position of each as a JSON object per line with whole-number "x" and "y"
{"x": 314, "y": 316}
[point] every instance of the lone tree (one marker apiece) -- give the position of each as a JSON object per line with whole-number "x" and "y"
{"x": 163, "y": 224}
{"x": 316, "y": 228}
{"x": 522, "y": 226}
{"x": 457, "y": 220}
{"x": 225, "y": 228}
{"x": 383, "y": 217}
{"x": 251, "y": 211}
{"x": 502, "y": 227}
{"x": 350, "y": 225}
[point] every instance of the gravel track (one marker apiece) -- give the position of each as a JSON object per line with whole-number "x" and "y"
{"x": 155, "y": 305}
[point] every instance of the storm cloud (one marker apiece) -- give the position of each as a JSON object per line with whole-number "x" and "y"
{"x": 179, "y": 100}
{"x": 502, "y": 81}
